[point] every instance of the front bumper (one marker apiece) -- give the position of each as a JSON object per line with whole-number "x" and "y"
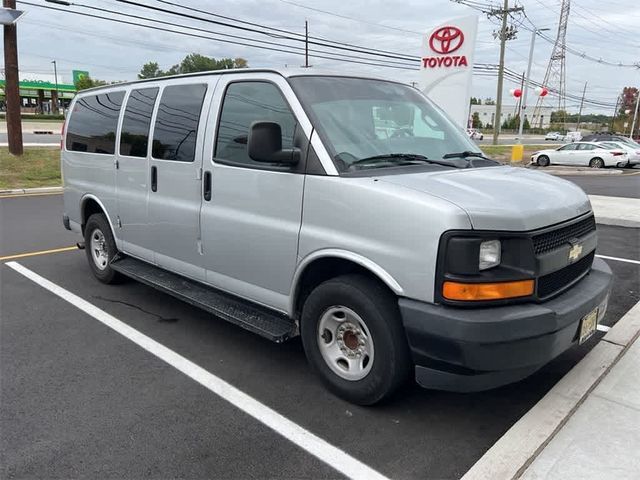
{"x": 473, "y": 349}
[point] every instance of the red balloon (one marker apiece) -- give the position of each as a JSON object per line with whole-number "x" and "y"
{"x": 544, "y": 92}
{"x": 517, "y": 93}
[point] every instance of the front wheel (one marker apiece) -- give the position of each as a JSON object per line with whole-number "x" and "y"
{"x": 596, "y": 163}
{"x": 543, "y": 161}
{"x": 100, "y": 247}
{"x": 354, "y": 340}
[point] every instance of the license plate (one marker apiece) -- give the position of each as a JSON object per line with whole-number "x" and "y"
{"x": 588, "y": 325}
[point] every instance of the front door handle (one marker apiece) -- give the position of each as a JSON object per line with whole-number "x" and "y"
{"x": 206, "y": 186}
{"x": 154, "y": 178}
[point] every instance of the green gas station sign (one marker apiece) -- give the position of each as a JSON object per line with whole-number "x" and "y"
{"x": 78, "y": 75}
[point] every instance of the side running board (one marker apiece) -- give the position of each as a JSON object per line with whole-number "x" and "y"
{"x": 272, "y": 325}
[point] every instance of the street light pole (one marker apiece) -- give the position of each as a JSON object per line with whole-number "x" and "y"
{"x": 525, "y": 88}
{"x": 55, "y": 74}
{"x": 635, "y": 114}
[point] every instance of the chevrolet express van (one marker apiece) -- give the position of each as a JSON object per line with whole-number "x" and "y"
{"x": 349, "y": 211}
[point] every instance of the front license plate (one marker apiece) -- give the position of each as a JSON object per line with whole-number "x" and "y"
{"x": 588, "y": 325}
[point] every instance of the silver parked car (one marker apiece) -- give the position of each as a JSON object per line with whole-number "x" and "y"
{"x": 632, "y": 151}
{"x": 581, "y": 154}
{"x": 349, "y": 211}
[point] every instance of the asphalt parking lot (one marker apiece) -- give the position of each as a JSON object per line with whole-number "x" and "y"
{"x": 78, "y": 399}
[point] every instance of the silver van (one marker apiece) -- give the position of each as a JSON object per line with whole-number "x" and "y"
{"x": 349, "y": 211}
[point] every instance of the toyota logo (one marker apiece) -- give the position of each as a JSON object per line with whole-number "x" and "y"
{"x": 446, "y": 40}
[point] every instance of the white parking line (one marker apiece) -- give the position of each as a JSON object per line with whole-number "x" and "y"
{"x": 618, "y": 259}
{"x": 319, "y": 448}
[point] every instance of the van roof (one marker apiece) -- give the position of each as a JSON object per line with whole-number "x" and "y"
{"x": 285, "y": 72}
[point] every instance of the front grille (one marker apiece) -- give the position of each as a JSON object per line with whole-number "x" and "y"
{"x": 548, "y": 241}
{"x": 558, "y": 280}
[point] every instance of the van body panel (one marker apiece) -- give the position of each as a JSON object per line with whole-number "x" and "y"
{"x": 391, "y": 226}
{"x": 502, "y": 198}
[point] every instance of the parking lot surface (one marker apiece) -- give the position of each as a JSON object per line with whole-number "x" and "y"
{"x": 78, "y": 399}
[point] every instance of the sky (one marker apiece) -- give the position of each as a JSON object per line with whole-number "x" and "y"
{"x": 113, "y": 51}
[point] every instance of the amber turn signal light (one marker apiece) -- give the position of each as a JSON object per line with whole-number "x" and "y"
{"x": 487, "y": 291}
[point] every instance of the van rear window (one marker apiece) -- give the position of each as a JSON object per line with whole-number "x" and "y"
{"x": 176, "y": 127}
{"x": 93, "y": 123}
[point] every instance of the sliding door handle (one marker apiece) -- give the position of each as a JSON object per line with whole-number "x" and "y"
{"x": 206, "y": 186}
{"x": 154, "y": 178}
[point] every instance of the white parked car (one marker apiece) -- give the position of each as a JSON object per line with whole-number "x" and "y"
{"x": 632, "y": 151}
{"x": 572, "y": 137}
{"x": 581, "y": 154}
{"x": 554, "y": 136}
{"x": 474, "y": 134}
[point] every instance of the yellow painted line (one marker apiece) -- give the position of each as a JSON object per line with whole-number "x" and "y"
{"x": 41, "y": 252}
{"x": 17, "y": 195}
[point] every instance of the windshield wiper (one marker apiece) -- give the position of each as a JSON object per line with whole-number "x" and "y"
{"x": 399, "y": 159}
{"x": 465, "y": 154}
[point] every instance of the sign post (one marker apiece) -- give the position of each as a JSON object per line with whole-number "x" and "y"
{"x": 447, "y": 66}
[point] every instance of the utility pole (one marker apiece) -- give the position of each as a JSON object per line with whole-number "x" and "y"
{"x": 615, "y": 114}
{"x": 584, "y": 90}
{"x": 55, "y": 74}
{"x": 306, "y": 44}
{"x": 12, "y": 88}
{"x": 504, "y": 35}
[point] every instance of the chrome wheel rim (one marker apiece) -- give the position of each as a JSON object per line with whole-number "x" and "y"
{"x": 345, "y": 343}
{"x": 99, "y": 252}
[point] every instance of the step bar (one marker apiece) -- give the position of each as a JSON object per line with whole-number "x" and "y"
{"x": 255, "y": 318}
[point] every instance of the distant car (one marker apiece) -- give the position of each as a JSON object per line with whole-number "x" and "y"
{"x": 633, "y": 153}
{"x": 572, "y": 137}
{"x": 554, "y": 136}
{"x": 611, "y": 137}
{"x": 474, "y": 134}
{"x": 581, "y": 154}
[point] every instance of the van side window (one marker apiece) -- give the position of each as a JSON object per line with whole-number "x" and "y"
{"x": 176, "y": 127}
{"x": 93, "y": 123}
{"x": 134, "y": 134}
{"x": 243, "y": 104}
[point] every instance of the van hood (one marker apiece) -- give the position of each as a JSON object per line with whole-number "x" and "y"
{"x": 501, "y": 198}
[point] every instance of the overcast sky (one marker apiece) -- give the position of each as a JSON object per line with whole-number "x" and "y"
{"x": 111, "y": 51}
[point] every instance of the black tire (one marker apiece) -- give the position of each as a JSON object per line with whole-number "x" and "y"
{"x": 378, "y": 308}
{"x": 96, "y": 225}
{"x": 596, "y": 162}
{"x": 543, "y": 161}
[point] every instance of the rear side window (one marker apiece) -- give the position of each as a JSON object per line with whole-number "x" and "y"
{"x": 176, "y": 127}
{"x": 134, "y": 134}
{"x": 245, "y": 103}
{"x": 93, "y": 123}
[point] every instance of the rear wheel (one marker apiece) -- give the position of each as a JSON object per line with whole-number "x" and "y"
{"x": 100, "y": 248}
{"x": 354, "y": 340}
{"x": 596, "y": 163}
{"x": 543, "y": 161}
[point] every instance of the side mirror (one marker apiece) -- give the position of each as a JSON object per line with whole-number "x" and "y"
{"x": 265, "y": 144}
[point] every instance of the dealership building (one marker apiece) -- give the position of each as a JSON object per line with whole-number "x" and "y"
{"x": 487, "y": 114}
{"x": 39, "y": 93}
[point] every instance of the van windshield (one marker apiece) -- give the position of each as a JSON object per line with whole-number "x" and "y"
{"x": 372, "y": 124}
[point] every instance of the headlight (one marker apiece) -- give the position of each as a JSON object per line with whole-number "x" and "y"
{"x": 489, "y": 256}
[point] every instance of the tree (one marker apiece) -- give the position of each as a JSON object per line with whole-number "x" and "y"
{"x": 476, "y": 101}
{"x": 475, "y": 120}
{"x": 627, "y": 100}
{"x": 150, "y": 70}
{"x": 559, "y": 116}
{"x": 86, "y": 81}
{"x": 489, "y": 101}
{"x": 194, "y": 62}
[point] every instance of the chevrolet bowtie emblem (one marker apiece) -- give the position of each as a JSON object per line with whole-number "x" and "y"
{"x": 575, "y": 252}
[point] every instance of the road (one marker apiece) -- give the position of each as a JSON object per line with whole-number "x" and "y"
{"x": 30, "y": 138}
{"x": 79, "y": 400}
{"x": 627, "y": 185}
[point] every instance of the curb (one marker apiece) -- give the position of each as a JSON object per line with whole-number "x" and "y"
{"x": 31, "y": 191}
{"x": 514, "y": 452}
{"x": 618, "y": 211}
